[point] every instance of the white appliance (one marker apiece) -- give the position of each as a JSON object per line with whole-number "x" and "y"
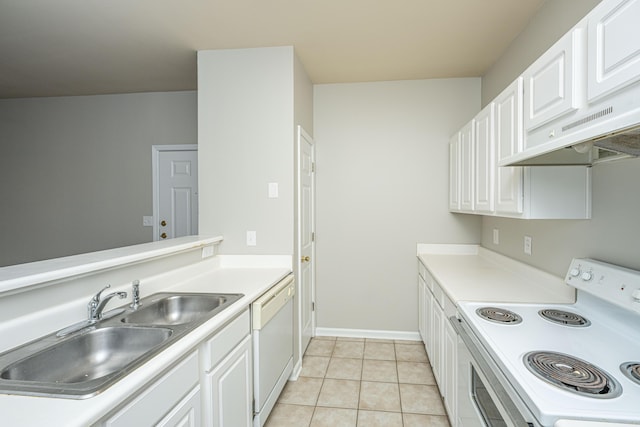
{"x": 272, "y": 346}
{"x": 543, "y": 364}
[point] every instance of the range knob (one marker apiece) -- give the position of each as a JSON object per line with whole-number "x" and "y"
{"x": 575, "y": 272}
{"x": 586, "y": 276}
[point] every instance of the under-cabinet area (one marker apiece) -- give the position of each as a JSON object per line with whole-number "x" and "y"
{"x": 200, "y": 306}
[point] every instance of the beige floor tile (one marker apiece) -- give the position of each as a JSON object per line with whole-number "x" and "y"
{"x": 379, "y": 419}
{"x": 314, "y": 366}
{"x": 379, "y": 351}
{"x": 421, "y": 399}
{"x": 379, "y": 396}
{"x": 334, "y": 417}
{"x": 415, "y": 373}
{"x": 339, "y": 394}
{"x": 379, "y": 370}
{"x": 418, "y": 420}
{"x": 320, "y": 348}
{"x": 344, "y": 369}
{"x": 304, "y": 391}
{"x": 351, "y": 339}
{"x": 349, "y": 349}
{"x": 324, "y": 338}
{"x": 411, "y": 353}
{"x": 284, "y": 415}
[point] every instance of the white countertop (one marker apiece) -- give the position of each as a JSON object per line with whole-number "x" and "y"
{"x": 27, "y": 411}
{"x": 473, "y": 273}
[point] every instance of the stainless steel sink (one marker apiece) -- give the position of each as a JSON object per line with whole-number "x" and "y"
{"x": 84, "y": 363}
{"x": 177, "y": 309}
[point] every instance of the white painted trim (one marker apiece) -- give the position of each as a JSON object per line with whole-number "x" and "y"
{"x": 367, "y": 333}
{"x": 155, "y": 153}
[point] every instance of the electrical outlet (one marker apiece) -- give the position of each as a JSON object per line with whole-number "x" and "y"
{"x": 496, "y": 236}
{"x": 147, "y": 221}
{"x": 528, "y": 241}
{"x": 207, "y": 251}
{"x": 251, "y": 238}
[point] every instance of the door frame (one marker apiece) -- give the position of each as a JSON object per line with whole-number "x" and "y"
{"x": 300, "y": 134}
{"x": 155, "y": 170}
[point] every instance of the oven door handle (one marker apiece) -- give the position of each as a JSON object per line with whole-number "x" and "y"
{"x": 488, "y": 368}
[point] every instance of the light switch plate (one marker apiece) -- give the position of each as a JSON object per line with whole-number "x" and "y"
{"x": 147, "y": 221}
{"x": 273, "y": 190}
{"x": 251, "y": 238}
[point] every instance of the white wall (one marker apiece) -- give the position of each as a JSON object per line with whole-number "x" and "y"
{"x": 613, "y": 234}
{"x": 382, "y": 187}
{"x": 75, "y": 172}
{"x": 245, "y": 137}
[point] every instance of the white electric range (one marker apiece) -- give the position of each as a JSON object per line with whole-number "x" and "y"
{"x": 537, "y": 364}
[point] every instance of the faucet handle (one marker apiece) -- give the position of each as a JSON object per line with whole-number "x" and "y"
{"x": 96, "y": 297}
{"x": 135, "y": 294}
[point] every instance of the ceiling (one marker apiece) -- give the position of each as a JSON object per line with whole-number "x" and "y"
{"x": 82, "y": 47}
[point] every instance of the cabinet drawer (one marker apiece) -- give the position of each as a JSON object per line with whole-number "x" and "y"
{"x": 153, "y": 404}
{"x": 218, "y": 346}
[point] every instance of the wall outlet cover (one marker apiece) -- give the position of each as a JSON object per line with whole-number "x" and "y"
{"x": 527, "y": 244}
{"x": 147, "y": 221}
{"x": 207, "y": 251}
{"x": 251, "y": 238}
{"x": 496, "y": 236}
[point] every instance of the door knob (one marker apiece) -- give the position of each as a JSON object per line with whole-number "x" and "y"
{"x": 163, "y": 235}
{"x": 163, "y": 223}
{"x": 305, "y": 259}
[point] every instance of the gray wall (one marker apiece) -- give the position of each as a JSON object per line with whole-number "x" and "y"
{"x": 245, "y": 136}
{"x": 613, "y": 235}
{"x": 75, "y": 172}
{"x": 382, "y": 186}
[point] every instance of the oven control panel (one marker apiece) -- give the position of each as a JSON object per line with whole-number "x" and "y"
{"x": 615, "y": 284}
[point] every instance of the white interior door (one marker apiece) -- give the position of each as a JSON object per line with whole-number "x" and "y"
{"x": 306, "y": 236}
{"x": 175, "y": 191}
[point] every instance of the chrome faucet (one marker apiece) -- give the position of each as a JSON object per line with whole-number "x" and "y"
{"x": 135, "y": 295}
{"x": 96, "y": 305}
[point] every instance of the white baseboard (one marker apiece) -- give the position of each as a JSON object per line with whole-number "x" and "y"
{"x": 367, "y": 333}
{"x": 295, "y": 373}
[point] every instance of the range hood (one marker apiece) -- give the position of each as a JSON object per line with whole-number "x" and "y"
{"x": 606, "y": 130}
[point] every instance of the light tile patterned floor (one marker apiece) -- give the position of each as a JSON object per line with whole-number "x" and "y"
{"x": 351, "y": 382}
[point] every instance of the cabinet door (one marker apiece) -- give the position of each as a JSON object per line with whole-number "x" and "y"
{"x": 449, "y": 365}
{"x": 613, "y": 46}
{"x": 421, "y": 309}
{"x": 466, "y": 167}
{"x": 229, "y": 393}
{"x": 186, "y": 413}
{"x": 454, "y": 173}
{"x": 483, "y": 160}
{"x": 428, "y": 319}
{"x": 437, "y": 316}
{"x": 508, "y": 141}
{"x": 551, "y": 83}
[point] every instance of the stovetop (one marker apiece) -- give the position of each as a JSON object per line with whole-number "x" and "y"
{"x": 608, "y": 337}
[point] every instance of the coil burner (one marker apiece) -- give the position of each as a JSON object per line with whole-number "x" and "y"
{"x": 632, "y": 371}
{"x": 572, "y": 374}
{"x": 562, "y": 317}
{"x": 499, "y": 315}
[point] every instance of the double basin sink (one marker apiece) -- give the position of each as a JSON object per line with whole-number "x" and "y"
{"x": 84, "y": 363}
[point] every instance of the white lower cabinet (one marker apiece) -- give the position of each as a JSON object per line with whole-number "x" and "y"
{"x": 173, "y": 400}
{"x": 227, "y": 376}
{"x": 439, "y": 336}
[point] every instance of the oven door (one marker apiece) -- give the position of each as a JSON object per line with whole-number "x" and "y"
{"x": 484, "y": 400}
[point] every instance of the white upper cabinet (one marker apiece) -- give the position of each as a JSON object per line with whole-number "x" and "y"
{"x": 613, "y": 47}
{"x": 508, "y": 141}
{"x": 483, "y": 153}
{"x": 454, "y": 173}
{"x": 467, "y": 170}
{"x": 553, "y": 83}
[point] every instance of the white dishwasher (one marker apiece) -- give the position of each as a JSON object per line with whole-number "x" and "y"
{"x": 272, "y": 346}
